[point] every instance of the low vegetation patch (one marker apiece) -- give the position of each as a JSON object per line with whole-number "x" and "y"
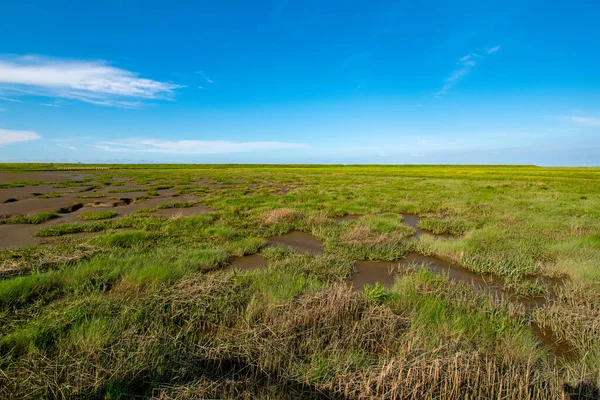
{"x": 278, "y": 215}
{"x": 148, "y": 306}
{"x": 51, "y": 195}
{"x": 30, "y": 219}
{"x": 96, "y": 215}
{"x": 177, "y": 204}
{"x": 91, "y": 196}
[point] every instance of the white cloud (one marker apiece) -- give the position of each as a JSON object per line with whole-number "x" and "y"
{"x": 72, "y": 139}
{"x": 67, "y": 147}
{"x": 12, "y": 136}
{"x": 93, "y": 82}
{"x": 467, "y": 63}
{"x": 588, "y": 121}
{"x": 192, "y": 146}
{"x": 50, "y": 105}
{"x": 9, "y": 99}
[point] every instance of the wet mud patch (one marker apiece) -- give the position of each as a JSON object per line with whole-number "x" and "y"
{"x": 248, "y": 263}
{"x": 300, "y": 241}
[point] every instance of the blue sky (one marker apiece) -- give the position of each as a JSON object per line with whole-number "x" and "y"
{"x": 287, "y": 81}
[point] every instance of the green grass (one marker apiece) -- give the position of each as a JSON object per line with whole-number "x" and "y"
{"x": 51, "y": 195}
{"x": 145, "y": 305}
{"x": 31, "y": 219}
{"x": 96, "y": 215}
{"x": 177, "y": 204}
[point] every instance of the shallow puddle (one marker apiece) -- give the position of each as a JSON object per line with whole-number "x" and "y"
{"x": 455, "y": 273}
{"x": 412, "y": 221}
{"x": 248, "y": 263}
{"x": 371, "y": 272}
{"x": 300, "y": 241}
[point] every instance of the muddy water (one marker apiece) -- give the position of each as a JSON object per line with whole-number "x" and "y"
{"x": 248, "y": 263}
{"x": 456, "y": 273}
{"x": 371, "y": 272}
{"x": 299, "y": 241}
{"x": 560, "y": 348}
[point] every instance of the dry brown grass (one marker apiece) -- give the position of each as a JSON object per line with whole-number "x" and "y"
{"x": 278, "y": 215}
{"x": 18, "y": 263}
{"x": 361, "y": 235}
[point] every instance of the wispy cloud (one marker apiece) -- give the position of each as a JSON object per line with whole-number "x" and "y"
{"x": 191, "y": 146}
{"x": 466, "y": 64}
{"x": 72, "y": 139}
{"x": 9, "y": 99}
{"x": 50, "y": 105}
{"x": 93, "y": 82}
{"x": 3, "y": 109}
{"x": 12, "y": 136}
{"x": 67, "y": 147}
{"x": 587, "y": 121}
{"x": 204, "y": 77}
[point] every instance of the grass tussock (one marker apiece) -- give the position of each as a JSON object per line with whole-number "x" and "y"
{"x": 96, "y": 215}
{"x": 177, "y": 204}
{"x": 278, "y": 215}
{"x": 30, "y": 219}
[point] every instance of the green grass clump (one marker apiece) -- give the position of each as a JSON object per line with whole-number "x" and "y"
{"x": 51, "y": 195}
{"x": 18, "y": 184}
{"x": 31, "y": 219}
{"x": 91, "y": 196}
{"x": 128, "y": 239}
{"x": 96, "y": 215}
{"x": 177, "y": 204}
